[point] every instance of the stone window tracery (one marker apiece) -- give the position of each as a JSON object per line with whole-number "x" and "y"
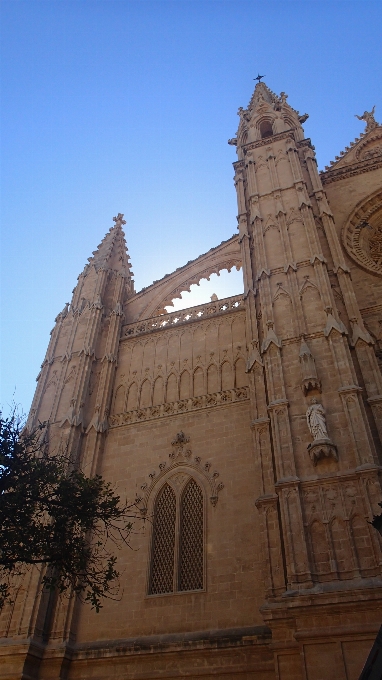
{"x": 163, "y": 545}
{"x": 177, "y": 548}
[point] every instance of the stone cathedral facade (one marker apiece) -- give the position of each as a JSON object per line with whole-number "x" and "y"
{"x": 248, "y": 430}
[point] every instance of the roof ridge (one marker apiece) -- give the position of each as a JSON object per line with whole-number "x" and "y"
{"x": 346, "y": 150}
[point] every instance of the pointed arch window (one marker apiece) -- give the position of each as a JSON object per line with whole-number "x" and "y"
{"x": 266, "y": 129}
{"x": 162, "y": 565}
{"x": 177, "y": 549}
{"x": 191, "y": 538}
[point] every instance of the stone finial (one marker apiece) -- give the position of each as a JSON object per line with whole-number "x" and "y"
{"x": 119, "y": 220}
{"x": 180, "y": 439}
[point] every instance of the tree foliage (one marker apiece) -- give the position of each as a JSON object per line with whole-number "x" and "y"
{"x": 53, "y": 516}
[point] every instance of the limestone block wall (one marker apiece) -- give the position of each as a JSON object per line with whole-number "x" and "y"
{"x": 233, "y": 590}
{"x": 175, "y": 365}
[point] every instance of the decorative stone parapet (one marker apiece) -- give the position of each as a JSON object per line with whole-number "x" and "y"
{"x": 182, "y": 406}
{"x": 159, "y": 323}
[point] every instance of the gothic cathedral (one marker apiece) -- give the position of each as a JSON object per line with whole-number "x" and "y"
{"x": 248, "y": 429}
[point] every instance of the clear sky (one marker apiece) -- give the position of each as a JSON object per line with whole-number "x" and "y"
{"x": 127, "y": 106}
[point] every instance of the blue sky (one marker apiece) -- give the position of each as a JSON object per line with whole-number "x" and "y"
{"x": 118, "y": 106}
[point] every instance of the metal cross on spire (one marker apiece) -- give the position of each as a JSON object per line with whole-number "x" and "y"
{"x": 259, "y": 77}
{"x": 119, "y": 220}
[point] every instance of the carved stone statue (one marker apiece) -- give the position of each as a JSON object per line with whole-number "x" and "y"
{"x": 316, "y": 420}
{"x": 368, "y": 117}
{"x": 321, "y": 446}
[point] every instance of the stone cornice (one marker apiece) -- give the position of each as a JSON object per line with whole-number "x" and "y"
{"x": 367, "y": 311}
{"x": 289, "y": 134}
{"x": 238, "y": 165}
{"x": 329, "y": 176}
{"x": 149, "y": 644}
{"x": 225, "y": 398}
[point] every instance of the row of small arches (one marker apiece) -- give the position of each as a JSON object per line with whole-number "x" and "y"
{"x": 267, "y": 127}
{"x": 184, "y": 386}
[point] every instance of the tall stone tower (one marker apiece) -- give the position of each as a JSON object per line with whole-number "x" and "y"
{"x": 309, "y": 347}
{"x": 248, "y": 430}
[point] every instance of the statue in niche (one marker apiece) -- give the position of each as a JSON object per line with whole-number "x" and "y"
{"x": 321, "y": 446}
{"x": 315, "y": 417}
{"x": 368, "y": 117}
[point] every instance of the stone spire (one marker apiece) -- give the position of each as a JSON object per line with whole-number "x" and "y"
{"x": 86, "y": 334}
{"x": 267, "y": 115}
{"x": 112, "y": 256}
{"x": 112, "y": 253}
{"x": 262, "y": 93}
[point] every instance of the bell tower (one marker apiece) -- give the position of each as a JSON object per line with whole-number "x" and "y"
{"x": 315, "y": 381}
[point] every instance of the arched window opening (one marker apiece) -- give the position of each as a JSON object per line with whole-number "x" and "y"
{"x": 163, "y": 544}
{"x": 177, "y": 548}
{"x": 191, "y": 538}
{"x": 224, "y": 285}
{"x": 266, "y": 129}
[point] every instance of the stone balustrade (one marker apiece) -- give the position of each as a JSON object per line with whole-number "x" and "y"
{"x": 159, "y": 323}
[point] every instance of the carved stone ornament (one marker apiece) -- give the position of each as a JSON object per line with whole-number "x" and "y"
{"x": 179, "y": 446}
{"x": 368, "y": 117}
{"x": 182, "y": 464}
{"x": 322, "y": 446}
{"x": 362, "y": 234}
{"x": 309, "y": 378}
